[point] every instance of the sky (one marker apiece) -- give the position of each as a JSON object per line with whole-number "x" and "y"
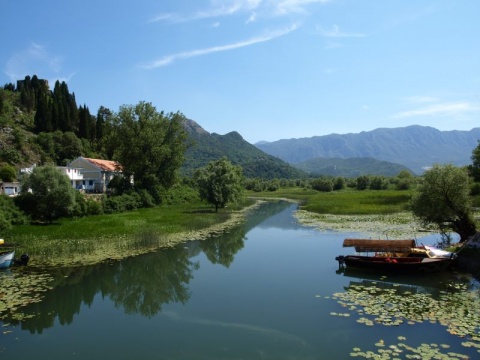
{"x": 268, "y": 69}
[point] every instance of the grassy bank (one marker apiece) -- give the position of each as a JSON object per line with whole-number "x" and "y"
{"x": 345, "y": 202}
{"x": 373, "y": 213}
{"x": 96, "y": 238}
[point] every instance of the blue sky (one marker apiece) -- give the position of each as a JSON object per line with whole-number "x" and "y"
{"x": 269, "y": 69}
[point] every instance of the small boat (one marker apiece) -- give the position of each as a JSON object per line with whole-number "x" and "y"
{"x": 402, "y": 256}
{"x": 7, "y": 256}
{"x": 404, "y": 265}
{"x": 6, "y": 259}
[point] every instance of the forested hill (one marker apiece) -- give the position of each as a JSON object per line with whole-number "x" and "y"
{"x": 415, "y": 147}
{"x": 350, "y": 167}
{"x": 255, "y": 163}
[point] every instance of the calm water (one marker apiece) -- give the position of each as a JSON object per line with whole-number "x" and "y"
{"x": 260, "y": 292}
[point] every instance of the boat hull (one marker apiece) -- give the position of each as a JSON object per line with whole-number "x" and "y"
{"x": 6, "y": 259}
{"x": 398, "y": 265}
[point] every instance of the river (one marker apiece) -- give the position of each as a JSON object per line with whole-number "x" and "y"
{"x": 269, "y": 289}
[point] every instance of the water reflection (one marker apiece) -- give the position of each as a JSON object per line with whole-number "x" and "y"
{"x": 138, "y": 285}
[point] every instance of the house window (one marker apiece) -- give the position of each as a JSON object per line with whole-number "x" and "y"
{"x": 90, "y": 182}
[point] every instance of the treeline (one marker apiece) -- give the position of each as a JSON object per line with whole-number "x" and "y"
{"x": 403, "y": 181}
{"x": 57, "y": 109}
{"x": 64, "y": 130}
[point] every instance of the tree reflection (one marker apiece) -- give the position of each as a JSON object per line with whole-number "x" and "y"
{"x": 155, "y": 280}
{"x": 222, "y": 249}
{"x": 139, "y": 284}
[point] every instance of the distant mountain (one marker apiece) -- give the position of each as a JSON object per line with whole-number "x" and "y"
{"x": 350, "y": 167}
{"x": 207, "y": 147}
{"x": 416, "y": 147}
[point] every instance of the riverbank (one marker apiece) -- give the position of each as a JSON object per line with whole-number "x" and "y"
{"x": 89, "y": 251}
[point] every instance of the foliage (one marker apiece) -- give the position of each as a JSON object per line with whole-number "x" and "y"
{"x": 363, "y": 182}
{"x": 474, "y": 168}
{"x": 322, "y": 184}
{"x": 443, "y": 199}
{"x": 8, "y": 173}
{"x": 47, "y": 194}
{"x": 60, "y": 147}
{"x": 377, "y": 183}
{"x": 121, "y": 203}
{"x": 404, "y": 180}
{"x": 149, "y": 144}
{"x": 220, "y": 183}
{"x": 9, "y": 214}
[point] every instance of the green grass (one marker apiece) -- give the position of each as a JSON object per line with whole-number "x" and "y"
{"x": 96, "y": 238}
{"x": 346, "y": 202}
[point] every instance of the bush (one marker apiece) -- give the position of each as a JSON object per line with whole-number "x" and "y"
{"x": 8, "y": 173}
{"x": 339, "y": 183}
{"x": 93, "y": 207}
{"x": 125, "y": 202}
{"x": 9, "y": 214}
{"x": 322, "y": 184}
{"x": 475, "y": 189}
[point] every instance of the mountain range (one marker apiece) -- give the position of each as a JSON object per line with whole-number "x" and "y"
{"x": 416, "y": 147}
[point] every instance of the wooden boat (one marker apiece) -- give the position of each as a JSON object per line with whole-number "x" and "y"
{"x": 399, "y": 264}
{"x": 6, "y": 259}
{"x": 402, "y": 256}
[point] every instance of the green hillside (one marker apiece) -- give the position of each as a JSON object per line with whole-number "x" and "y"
{"x": 351, "y": 167}
{"x": 255, "y": 163}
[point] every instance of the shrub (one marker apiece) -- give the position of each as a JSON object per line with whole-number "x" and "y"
{"x": 322, "y": 184}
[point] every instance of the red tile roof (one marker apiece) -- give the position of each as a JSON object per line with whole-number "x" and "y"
{"x": 106, "y": 165}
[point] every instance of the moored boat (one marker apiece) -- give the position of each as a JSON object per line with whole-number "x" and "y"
{"x": 397, "y": 264}
{"x": 7, "y": 256}
{"x": 6, "y": 259}
{"x": 402, "y": 256}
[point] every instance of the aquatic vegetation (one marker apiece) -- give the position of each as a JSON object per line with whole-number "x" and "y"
{"x": 20, "y": 289}
{"x": 457, "y": 308}
{"x": 396, "y": 225}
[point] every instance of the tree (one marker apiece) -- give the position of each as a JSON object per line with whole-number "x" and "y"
{"x": 220, "y": 183}
{"x": 9, "y": 214}
{"x": 149, "y": 144}
{"x": 47, "y": 194}
{"x": 8, "y": 173}
{"x": 443, "y": 199}
{"x": 475, "y": 167}
{"x": 363, "y": 182}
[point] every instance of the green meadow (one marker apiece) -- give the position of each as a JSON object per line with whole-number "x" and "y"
{"x": 345, "y": 202}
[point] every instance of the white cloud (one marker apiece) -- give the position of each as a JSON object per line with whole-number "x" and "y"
{"x": 442, "y": 109}
{"x": 252, "y": 18}
{"x": 421, "y": 99}
{"x": 169, "y": 59}
{"x": 220, "y": 8}
{"x": 335, "y": 32}
{"x": 32, "y": 61}
{"x": 293, "y": 6}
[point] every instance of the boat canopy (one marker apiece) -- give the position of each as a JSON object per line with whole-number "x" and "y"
{"x": 367, "y": 245}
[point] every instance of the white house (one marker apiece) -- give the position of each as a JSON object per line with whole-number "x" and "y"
{"x": 96, "y": 173}
{"x": 74, "y": 174}
{"x": 10, "y": 188}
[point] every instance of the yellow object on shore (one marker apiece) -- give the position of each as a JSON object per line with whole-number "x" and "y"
{"x": 2, "y": 241}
